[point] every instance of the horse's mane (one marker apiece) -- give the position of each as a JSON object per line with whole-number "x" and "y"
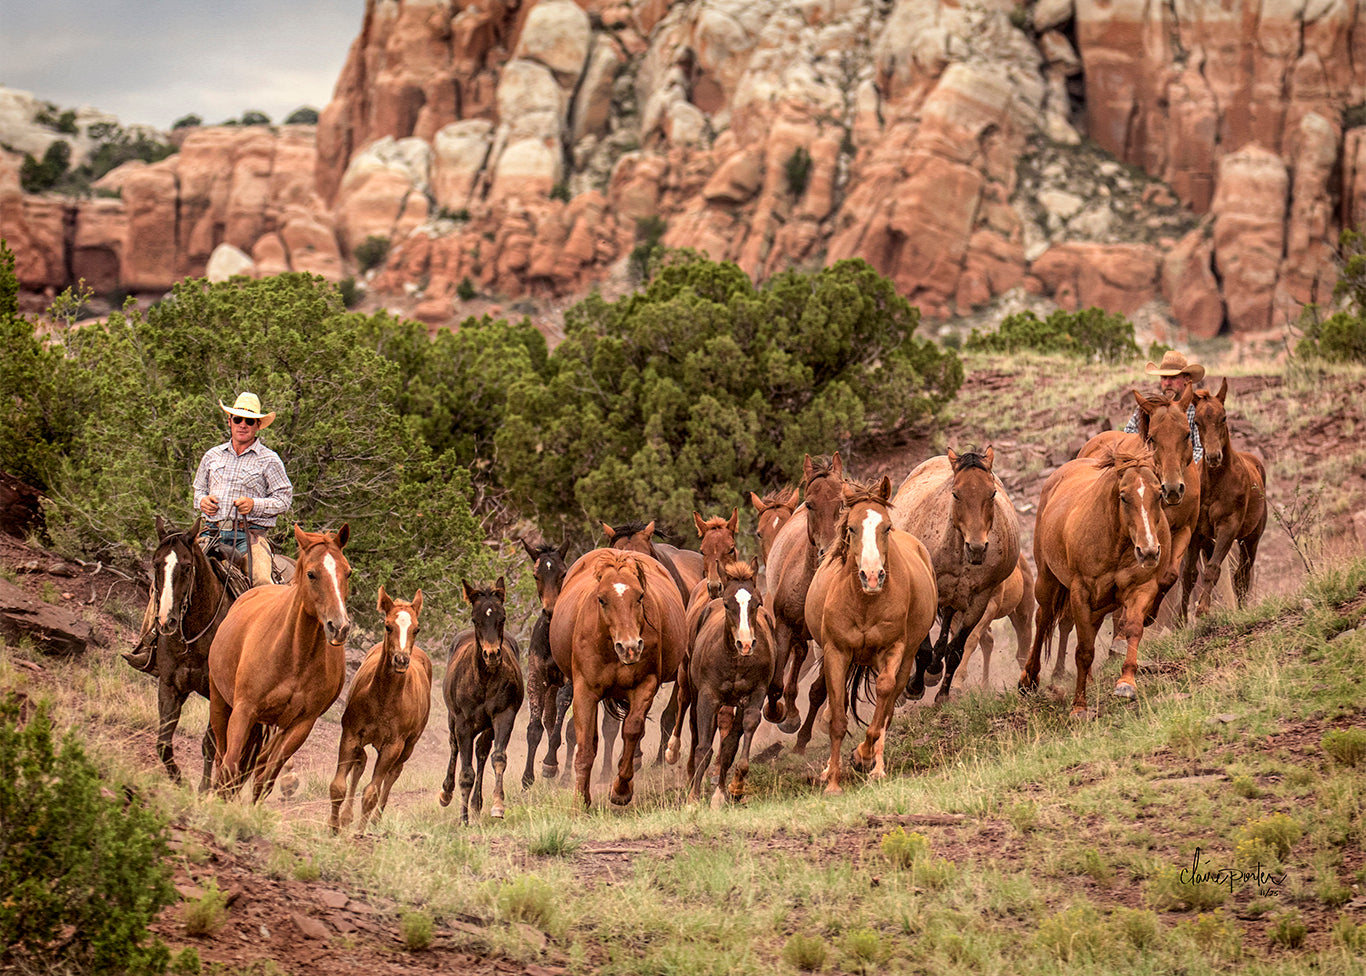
{"x": 738, "y": 572}
{"x": 1122, "y": 458}
{"x": 969, "y": 460}
{"x": 543, "y": 549}
{"x": 855, "y": 493}
{"x": 715, "y": 522}
{"x": 820, "y": 468}
{"x": 777, "y": 497}
{"x": 628, "y": 529}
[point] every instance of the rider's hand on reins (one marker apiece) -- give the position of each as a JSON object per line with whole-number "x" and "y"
{"x": 244, "y": 505}
{"x": 209, "y": 505}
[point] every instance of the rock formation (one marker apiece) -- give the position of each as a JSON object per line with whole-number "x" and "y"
{"x": 1203, "y": 156}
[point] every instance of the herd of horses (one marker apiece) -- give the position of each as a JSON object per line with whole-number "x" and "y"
{"x": 860, "y": 572}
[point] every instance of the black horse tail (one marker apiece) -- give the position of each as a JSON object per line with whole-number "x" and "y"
{"x": 860, "y": 684}
{"x": 616, "y": 707}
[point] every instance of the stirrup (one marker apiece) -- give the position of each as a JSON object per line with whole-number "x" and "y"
{"x": 142, "y": 660}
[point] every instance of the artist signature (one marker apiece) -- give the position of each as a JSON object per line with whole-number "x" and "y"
{"x": 1231, "y": 877}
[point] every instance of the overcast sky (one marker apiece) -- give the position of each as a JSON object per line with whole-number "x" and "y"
{"x": 155, "y": 61}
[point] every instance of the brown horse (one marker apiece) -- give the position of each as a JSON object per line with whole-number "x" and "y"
{"x": 1014, "y": 599}
{"x": 871, "y": 605}
{"x": 729, "y": 665}
{"x": 1163, "y": 428}
{"x": 771, "y": 514}
{"x": 960, "y": 510}
{"x": 191, "y": 601}
{"x": 387, "y": 708}
{"x": 483, "y": 689}
{"x": 1098, "y": 543}
{"x": 716, "y": 539}
{"x": 279, "y": 661}
{"x": 617, "y": 632}
{"x": 544, "y": 679}
{"x": 1232, "y": 506}
{"x": 790, "y": 568}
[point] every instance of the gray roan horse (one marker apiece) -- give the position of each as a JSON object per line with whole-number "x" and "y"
{"x": 191, "y": 601}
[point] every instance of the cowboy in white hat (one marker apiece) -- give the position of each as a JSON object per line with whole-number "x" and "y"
{"x": 241, "y": 487}
{"x": 1177, "y": 373}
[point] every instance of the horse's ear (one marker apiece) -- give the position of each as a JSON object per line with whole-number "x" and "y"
{"x": 161, "y": 528}
{"x": 884, "y": 488}
{"x": 649, "y": 530}
{"x": 468, "y": 591}
{"x": 300, "y": 538}
{"x": 952, "y": 456}
{"x": 1143, "y": 403}
{"x": 734, "y": 523}
{"x": 701, "y": 525}
{"x": 608, "y": 531}
{"x": 1187, "y": 397}
{"x": 808, "y": 469}
{"x": 564, "y": 549}
{"x": 989, "y": 457}
{"x": 501, "y": 589}
{"x": 1223, "y": 390}
{"x": 531, "y": 553}
{"x": 837, "y": 467}
{"x": 756, "y": 502}
{"x": 793, "y": 497}
{"x": 385, "y": 603}
{"x": 417, "y": 602}
{"x": 343, "y": 534}
{"x": 197, "y": 527}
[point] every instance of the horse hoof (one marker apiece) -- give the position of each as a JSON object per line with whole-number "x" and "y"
{"x": 791, "y": 723}
{"x": 915, "y": 692}
{"x": 833, "y": 789}
{"x": 620, "y": 799}
{"x": 496, "y": 813}
{"x": 527, "y": 782}
{"x": 933, "y": 672}
{"x": 445, "y": 798}
{"x": 775, "y": 712}
{"x": 549, "y": 772}
{"x": 1126, "y": 689}
{"x": 671, "y": 753}
{"x": 799, "y": 749}
{"x": 718, "y": 800}
{"x": 942, "y": 695}
{"x": 1082, "y": 712}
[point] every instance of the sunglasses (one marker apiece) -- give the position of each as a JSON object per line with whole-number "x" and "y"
{"x": 249, "y": 421}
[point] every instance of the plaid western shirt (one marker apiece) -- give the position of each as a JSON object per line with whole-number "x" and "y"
{"x": 1132, "y": 428}
{"x": 257, "y": 473}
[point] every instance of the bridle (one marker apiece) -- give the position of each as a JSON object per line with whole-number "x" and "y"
{"x": 185, "y": 601}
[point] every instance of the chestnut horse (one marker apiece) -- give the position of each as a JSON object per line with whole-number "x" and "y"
{"x": 790, "y": 568}
{"x": 1014, "y": 599}
{"x": 387, "y": 708}
{"x": 278, "y": 661}
{"x": 1232, "y": 506}
{"x": 191, "y": 601}
{"x": 771, "y": 514}
{"x": 728, "y": 666}
{"x": 483, "y": 689}
{"x": 960, "y": 510}
{"x": 870, "y": 606}
{"x": 544, "y": 679}
{"x": 617, "y": 632}
{"x": 1098, "y": 544}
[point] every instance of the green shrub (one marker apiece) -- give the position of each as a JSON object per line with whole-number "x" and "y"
{"x": 254, "y": 117}
{"x": 466, "y": 290}
{"x": 560, "y": 191}
{"x": 649, "y": 232}
{"x": 798, "y": 171}
{"x": 904, "y": 849}
{"x": 349, "y": 292}
{"x": 417, "y": 929}
{"x": 1074, "y": 935}
{"x": 805, "y": 952}
{"x": 1215, "y": 936}
{"x": 207, "y": 914}
{"x": 1288, "y": 929}
{"x": 527, "y": 899}
{"x": 83, "y": 875}
{"x": 553, "y": 840}
{"x": 371, "y": 252}
{"x": 302, "y": 116}
{"x": 186, "y": 962}
{"x": 1342, "y": 336}
{"x": 1277, "y": 833}
{"x": 1350, "y": 935}
{"x": 864, "y": 950}
{"x": 1346, "y": 746}
{"x": 1139, "y": 928}
{"x": 187, "y": 122}
{"x": 1023, "y": 816}
{"x": 1168, "y": 891}
{"x": 1091, "y": 334}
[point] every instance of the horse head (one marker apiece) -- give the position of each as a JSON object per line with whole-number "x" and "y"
{"x": 1165, "y": 429}
{"x": 1140, "y": 504}
{"x": 718, "y": 546}
{"x": 620, "y": 592}
{"x": 822, "y": 485}
{"x": 400, "y": 629}
{"x": 1212, "y": 421}
{"x": 548, "y": 567}
{"x": 173, "y": 575}
{"x": 863, "y": 533}
{"x": 740, "y": 597}
{"x": 771, "y": 514}
{"x": 324, "y": 575}
{"x": 974, "y": 502}
{"x": 633, "y": 537}
{"x": 488, "y": 616}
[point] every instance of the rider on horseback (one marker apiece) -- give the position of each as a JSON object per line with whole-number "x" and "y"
{"x": 1176, "y": 375}
{"x": 241, "y": 487}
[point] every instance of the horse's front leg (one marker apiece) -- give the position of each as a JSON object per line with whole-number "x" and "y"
{"x": 815, "y": 698}
{"x": 482, "y": 745}
{"x": 1084, "y": 622}
{"x": 776, "y": 708}
{"x": 448, "y": 785}
{"x": 209, "y": 750}
{"x": 968, "y": 619}
{"x": 350, "y": 753}
{"x": 704, "y": 726}
{"x": 586, "y": 739}
{"x": 667, "y": 720}
{"x": 281, "y": 749}
{"x": 642, "y": 696}
{"x": 941, "y": 643}
{"x": 387, "y": 764}
{"x": 169, "y": 703}
{"x": 870, "y": 750}
{"x": 1133, "y": 612}
{"x": 748, "y": 718}
{"x": 502, "y": 731}
{"x": 1214, "y": 565}
{"x": 685, "y": 702}
{"x": 924, "y": 654}
{"x": 835, "y": 668}
{"x": 557, "y": 708}
{"x": 537, "y": 694}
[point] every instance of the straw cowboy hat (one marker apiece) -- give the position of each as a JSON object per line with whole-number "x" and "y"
{"x": 1174, "y": 364}
{"x": 249, "y": 405}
